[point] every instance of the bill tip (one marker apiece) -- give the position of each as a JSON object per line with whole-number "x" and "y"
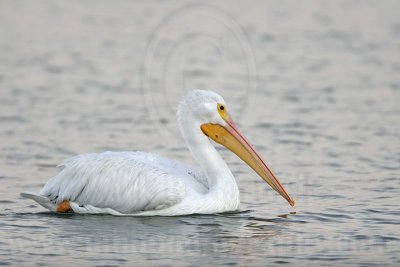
{"x": 292, "y": 202}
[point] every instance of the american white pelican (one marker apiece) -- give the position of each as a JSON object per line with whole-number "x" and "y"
{"x": 143, "y": 184}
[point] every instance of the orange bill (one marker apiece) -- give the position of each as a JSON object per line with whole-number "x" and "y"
{"x": 230, "y": 137}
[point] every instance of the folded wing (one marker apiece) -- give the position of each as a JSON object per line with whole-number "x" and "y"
{"x": 126, "y": 182}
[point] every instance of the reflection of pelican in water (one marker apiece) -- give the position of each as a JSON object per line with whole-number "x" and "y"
{"x": 144, "y": 184}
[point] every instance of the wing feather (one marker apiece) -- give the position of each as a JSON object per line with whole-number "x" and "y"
{"x": 126, "y": 182}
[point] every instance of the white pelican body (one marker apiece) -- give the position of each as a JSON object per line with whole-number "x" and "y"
{"x": 143, "y": 184}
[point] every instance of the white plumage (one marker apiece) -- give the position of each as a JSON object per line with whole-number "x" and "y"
{"x": 143, "y": 184}
{"x": 121, "y": 182}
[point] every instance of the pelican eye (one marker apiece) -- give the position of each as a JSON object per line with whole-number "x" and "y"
{"x": 222, "y": 111}
{"x": 221, "y": 107}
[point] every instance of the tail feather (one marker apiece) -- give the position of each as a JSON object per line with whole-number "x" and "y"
{"x": 86, "y": 209}
{"x": 40, "y": 199}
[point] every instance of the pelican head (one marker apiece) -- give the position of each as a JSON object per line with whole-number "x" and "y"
{"x": 210, "y": 113}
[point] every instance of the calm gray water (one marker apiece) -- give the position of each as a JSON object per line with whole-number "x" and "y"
{"x": 314, "y": 84}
